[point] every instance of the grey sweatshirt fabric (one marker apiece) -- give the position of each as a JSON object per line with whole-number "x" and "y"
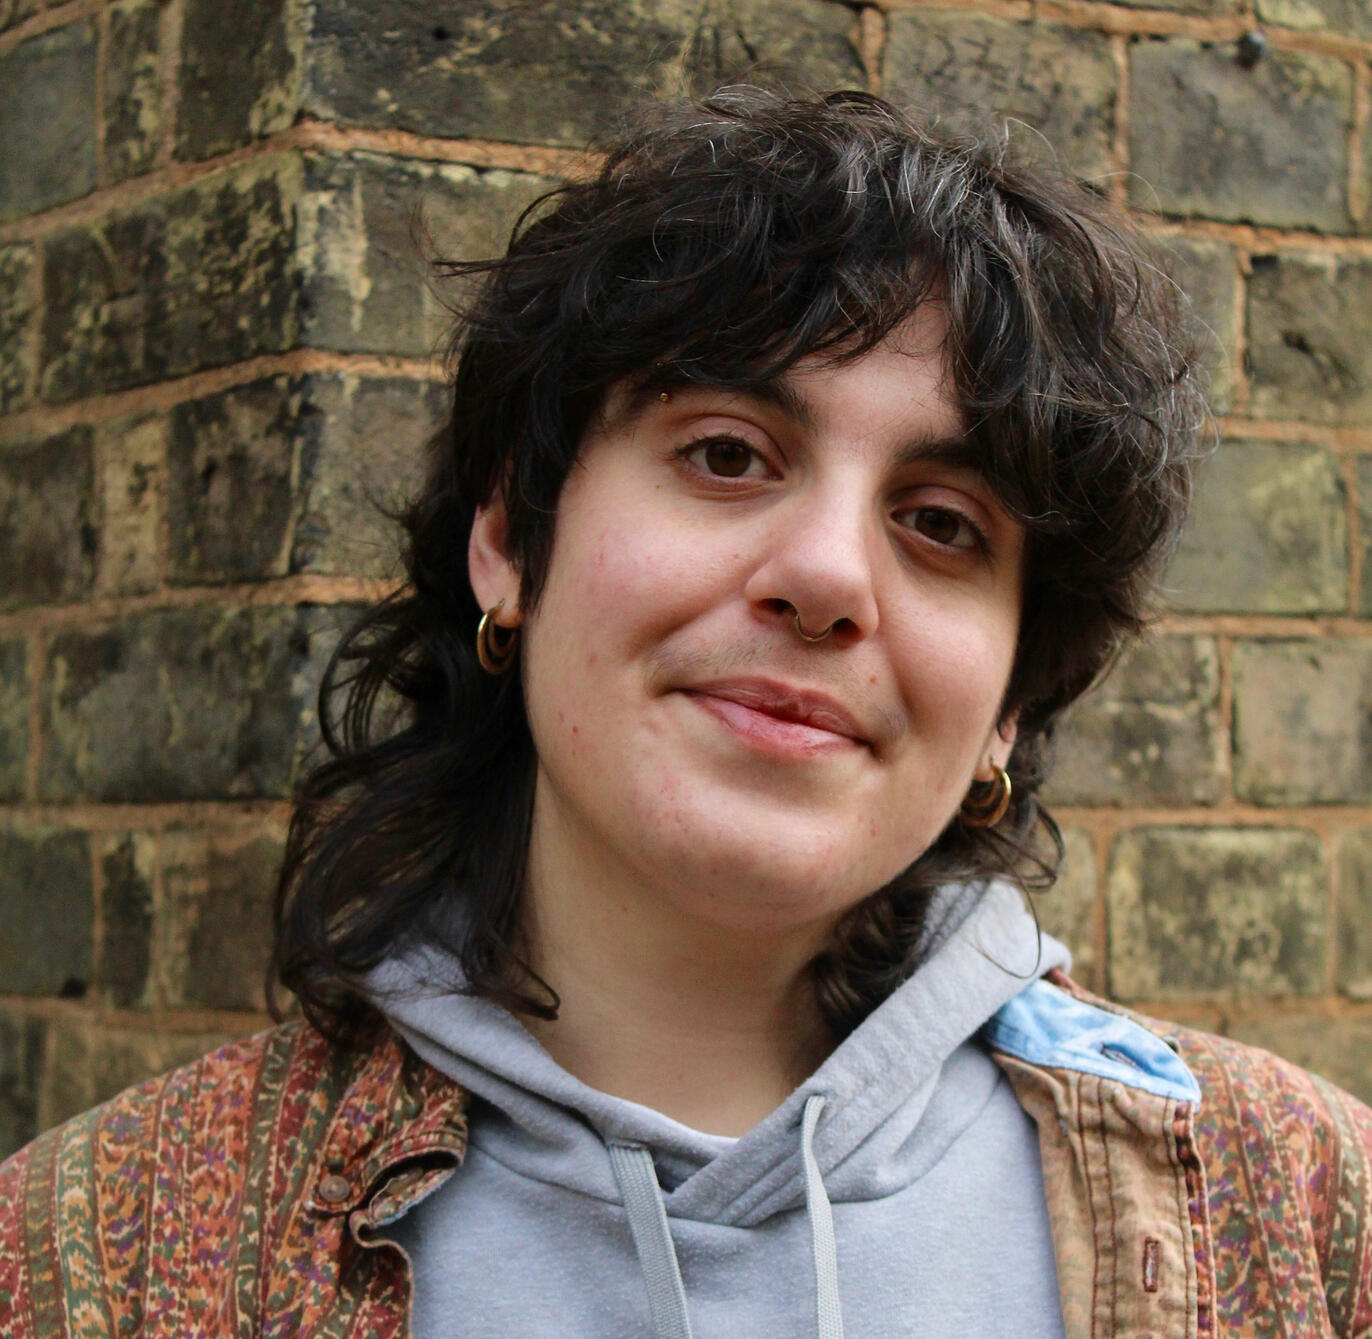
{"x": 926, "y": 1163}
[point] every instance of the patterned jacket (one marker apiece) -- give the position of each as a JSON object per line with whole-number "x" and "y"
{"x": 1196, "y": 1188}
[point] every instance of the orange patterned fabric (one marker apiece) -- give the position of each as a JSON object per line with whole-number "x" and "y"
{"x": 242, "y": 1194}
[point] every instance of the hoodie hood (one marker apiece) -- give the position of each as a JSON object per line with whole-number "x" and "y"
{"x": 895, "y": 1090}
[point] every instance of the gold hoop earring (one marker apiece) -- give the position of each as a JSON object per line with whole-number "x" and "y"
{"x": 495, "y": 655}
{"x": 987, "y": 812}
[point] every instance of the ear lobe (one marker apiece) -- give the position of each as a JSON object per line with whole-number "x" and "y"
{"x": 493, "y": 576}
{"x": 1001, "y": 744}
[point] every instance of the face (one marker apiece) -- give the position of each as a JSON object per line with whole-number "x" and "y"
{"x": 688, "y": 735}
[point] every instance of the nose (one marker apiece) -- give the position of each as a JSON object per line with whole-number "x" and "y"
{"x": 818, "y": 568}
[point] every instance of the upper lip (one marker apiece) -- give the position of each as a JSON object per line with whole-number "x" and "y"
{"x": 787, "y": 702}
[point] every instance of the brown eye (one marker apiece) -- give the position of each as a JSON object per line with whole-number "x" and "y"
{"x": 943, "y": 527}
{"x": 728, "y": 459}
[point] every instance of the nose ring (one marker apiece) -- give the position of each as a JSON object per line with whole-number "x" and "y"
{"x": 818, "y": 637}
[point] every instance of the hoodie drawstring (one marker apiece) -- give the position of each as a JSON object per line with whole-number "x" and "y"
{"x": 642, "y": 1196}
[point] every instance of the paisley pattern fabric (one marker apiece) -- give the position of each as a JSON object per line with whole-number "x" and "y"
{"x": 242, "y": 1194}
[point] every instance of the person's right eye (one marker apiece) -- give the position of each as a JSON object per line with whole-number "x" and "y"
{"x": 726, "y": 457}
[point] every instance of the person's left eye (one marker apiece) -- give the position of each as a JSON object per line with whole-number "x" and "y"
{"x": 943, "y": 526}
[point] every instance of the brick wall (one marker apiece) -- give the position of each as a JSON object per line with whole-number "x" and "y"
{"x": 215, "y": 357}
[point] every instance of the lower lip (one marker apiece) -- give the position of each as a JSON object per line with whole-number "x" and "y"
{"x": 771, "y": 734}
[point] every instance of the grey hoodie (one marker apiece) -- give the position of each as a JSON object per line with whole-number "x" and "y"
{"x": 897, "y": 1191}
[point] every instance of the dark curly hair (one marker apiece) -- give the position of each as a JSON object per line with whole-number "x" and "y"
{"x": 720, "y": 242}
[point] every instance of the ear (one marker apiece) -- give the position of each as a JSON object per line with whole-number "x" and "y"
{"x": 998, "y": 747}
{"x": 493, "y": 576}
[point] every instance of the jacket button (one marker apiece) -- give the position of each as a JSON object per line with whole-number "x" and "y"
{"x": 334, "y": 1189}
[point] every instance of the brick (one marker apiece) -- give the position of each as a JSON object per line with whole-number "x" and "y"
{"x": 1261, "y": 145}
{"x": 1355, "y": 914}
{"x": 1269, "y": 534}
{"x": 1346, "y": 18}
{"x": 89, "y": 1063}
{"x": 47, "y": 120}
{"x": 197, "y": 278}
{"x": 45, "y": 933}
{"x": 1364, "y": 486}
{"x": 16, "y": 320}
{"x": 133, "y": 102}
{"x": 369, "y": 285}
{"x": 21, "y": 1065}
{"x": 1216, "y": 912}
{"x": 1061, "y": 82}
{"x": 131, "y": 498}
{"x": 230, "y": 462}
{"x": 1184, "y": 6}
{"x": 362, "y": 452}
{"x": 1208, "y": 274}
{"x": 1150, "y": 734}
{"x": 1303, "y": 721}
{"x": 239, "y": 75}
{"x": 1338, "y": 1048}
{"x": 47, "y": 519}
{"x": 529, "y": 71}
{"x": 14, "y": 717}
{"x": 1308, "y": 352}
{"x": 183, "y": 704}
{"x": 215, "y": 936}
{"x": 127, "y": 864}
{"x": 1067, "y": 910}
{"x": 13, "y": 12}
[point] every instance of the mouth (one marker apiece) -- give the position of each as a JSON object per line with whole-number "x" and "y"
{"x": 779, "y": 717}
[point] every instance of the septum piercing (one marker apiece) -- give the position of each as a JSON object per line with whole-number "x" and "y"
{"x": 805, "y": 636}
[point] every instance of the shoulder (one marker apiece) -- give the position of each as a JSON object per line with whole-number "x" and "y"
{"x": 91, "y": 1211}
{"x": 1287, "y": 1158}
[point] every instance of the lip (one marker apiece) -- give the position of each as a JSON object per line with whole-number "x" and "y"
{"x": 780, "y": 716}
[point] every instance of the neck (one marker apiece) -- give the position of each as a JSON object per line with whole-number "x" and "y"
{"x": 710, "y": 1026}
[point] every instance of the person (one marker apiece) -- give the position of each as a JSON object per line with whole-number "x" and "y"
{"x": 657, "y": 915}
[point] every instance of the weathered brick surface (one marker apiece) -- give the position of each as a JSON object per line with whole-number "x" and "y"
{"x": 1261, "y": 145}
{"x": 1338, "y": 1047}
{"x": 1216, "y": 912}
{"x": 16, "y": 319}
{"x": 89, "y": 1063}
{"x": 1303, "y": 721}
{"x": 1068, "y": 909}
{"x": 45, "y": 933}
{"x": 183, "y": 704}
{"x": 196, "y": 278}
{"x": 230, "y": 459}
{"x": 215, "y": 930}
{"x": 48, "y": 534}
{"x": 133, "y": 103}
{"x": 363, "y": 221}
{"x": 1308, "y": 351}
{"x": 1208, "y": 274}
{"x": 239, "y": 75}
{"x": 21, "y": 1062}
{"x": 527, "y": 71}
{"x": 127, "y": 869}
{"x": 1061, "y": 82}
{"x": 47, "y": 119}
{"x": 1348, "y": 18}
{"x": 361, "y": 455}
{"x": 131, "y": 498}
{"x": 1364, "y": 488}
{"x": 1355, "y": 914}
{"x": 1150, "y": 734}
{"x": 1269, "y": 534}
{"x": 14, "y": 717}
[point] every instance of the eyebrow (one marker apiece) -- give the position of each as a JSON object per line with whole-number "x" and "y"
{"x": 779, "y": 392}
